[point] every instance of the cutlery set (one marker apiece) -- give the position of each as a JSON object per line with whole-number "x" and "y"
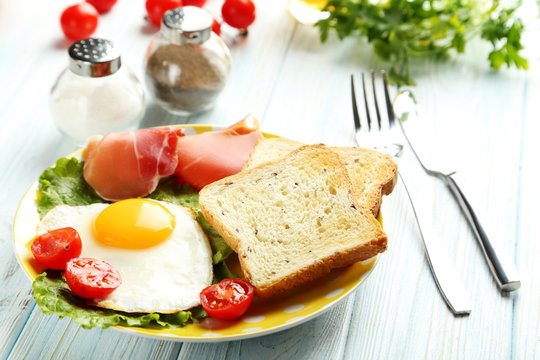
{"x": 385, "y": 133}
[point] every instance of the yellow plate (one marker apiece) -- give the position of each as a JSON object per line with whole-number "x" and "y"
{"x": 263, "y": 317}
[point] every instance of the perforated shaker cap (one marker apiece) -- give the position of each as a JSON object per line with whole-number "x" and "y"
{"x": 187, "y": 25}
{"x": 94, "y": 57}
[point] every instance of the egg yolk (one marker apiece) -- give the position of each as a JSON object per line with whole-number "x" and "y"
{"x": 133, "y": 224}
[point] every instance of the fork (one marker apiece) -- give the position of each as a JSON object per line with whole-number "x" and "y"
{"x": 385, "y": 135}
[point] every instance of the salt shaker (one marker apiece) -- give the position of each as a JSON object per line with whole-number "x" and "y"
{"x": 96, "y": 94}
{"x": 186, "y": 65}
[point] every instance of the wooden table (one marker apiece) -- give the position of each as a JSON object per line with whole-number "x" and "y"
{"x": 299, "y": 88}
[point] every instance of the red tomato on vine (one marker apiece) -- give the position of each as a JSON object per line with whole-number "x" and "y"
{"x": 156, "y": 8}
{"x": 216, "y": 27}
{"x": 238, "y": 13}
{"x": 79, "y": 21}
{"x": 102, "y": 6}
{"x": 198, "y": 3}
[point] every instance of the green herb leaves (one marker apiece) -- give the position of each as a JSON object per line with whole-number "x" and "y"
{"x": 504, "y": 33}
{"x": 404, "y": 29}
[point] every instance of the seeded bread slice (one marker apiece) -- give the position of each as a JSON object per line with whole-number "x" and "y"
{"x": 292, "y": 220}
{"x": 372, "y": 173}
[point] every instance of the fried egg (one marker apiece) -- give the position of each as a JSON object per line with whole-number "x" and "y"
{"x": 159, "y": 249}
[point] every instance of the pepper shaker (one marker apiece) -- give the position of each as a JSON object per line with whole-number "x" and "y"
{"x": 96, "y": 94}
{"x": 186, "y": 65}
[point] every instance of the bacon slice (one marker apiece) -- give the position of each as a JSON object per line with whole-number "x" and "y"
{"x": 129, "y": 164}
{"x": 207, "y": 157}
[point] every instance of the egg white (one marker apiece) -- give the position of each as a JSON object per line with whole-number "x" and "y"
{"x": 164, "y": 278}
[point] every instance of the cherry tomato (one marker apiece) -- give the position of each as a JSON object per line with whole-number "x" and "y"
{"x": 227, "y": 300}
{"x": 216, "y": 27}
{"x": 79, "y": 21}
{"x": 54, "y": 249}
{"x": 238, "y": 13}
{"x": 199, "y": 3}
{"x": 156, "y": 8}
{"x": 102, "y": 6}
{"x": 91, "y": 278}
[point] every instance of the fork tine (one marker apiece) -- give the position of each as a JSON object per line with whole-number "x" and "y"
{"x": 375, "y": 99}
{"x": 354, "y": 106}
{"x": 389, "y": 106}
{"x": 368, "y": 116}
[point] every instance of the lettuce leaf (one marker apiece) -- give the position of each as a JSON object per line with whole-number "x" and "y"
{"x": 53, "y": 296}
{"x": 64, "y": 184}
{"x": 222, "y": 272}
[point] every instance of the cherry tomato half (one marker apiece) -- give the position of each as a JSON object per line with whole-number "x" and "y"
{"x": 54, "y": 249}
{"x": 102, "y": 6}
{"x": 91, "y": 278}
{"x": 227, "y": 300}
{"x": 238, "y": 13}
{"x": 199, "y": 3}
{"x": 216, "y": 27}
{"x": 79, "y": 21}
{"x": 156, "y": 8}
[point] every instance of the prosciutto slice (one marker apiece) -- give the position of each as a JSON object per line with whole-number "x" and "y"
{"x": 130, "y": 164}
{"x": 210, "y": 156}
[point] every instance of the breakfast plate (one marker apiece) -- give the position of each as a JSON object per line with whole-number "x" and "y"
{"x": 263, "y": 317}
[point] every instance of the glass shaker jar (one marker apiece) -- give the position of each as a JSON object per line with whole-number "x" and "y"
{"x": 96, "y": 94}
{"x": 186, "y": 65}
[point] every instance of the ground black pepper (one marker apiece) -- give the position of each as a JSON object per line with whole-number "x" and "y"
{"x": 185, "y": 77}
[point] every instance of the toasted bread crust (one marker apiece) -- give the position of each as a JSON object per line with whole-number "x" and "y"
{"x": 315, "y": 271}
{"x": 362, "y": 164}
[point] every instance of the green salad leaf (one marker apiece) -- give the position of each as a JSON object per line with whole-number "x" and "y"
{"x": 53, "y": 296}
{"x": 221, "y": 272}
{"x": 64, "y": 184}
{"x": 400, "y": 30}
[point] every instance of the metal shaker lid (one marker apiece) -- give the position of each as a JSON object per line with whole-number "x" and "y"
{"x": 94, "y": 58}
{"x": 187, "y": 25}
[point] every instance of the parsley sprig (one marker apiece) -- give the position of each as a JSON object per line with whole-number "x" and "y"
{"x": 403, "y": 29}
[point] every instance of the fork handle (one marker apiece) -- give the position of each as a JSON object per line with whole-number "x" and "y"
{"x": 445, "y": 276}
{"x": 501, "y": 266}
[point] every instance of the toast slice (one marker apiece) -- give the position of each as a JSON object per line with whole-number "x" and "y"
{"x": 372, "y": 173}
{"x": 292, "y": 220}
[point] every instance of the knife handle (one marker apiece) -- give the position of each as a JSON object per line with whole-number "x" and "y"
{"x": 501, "y": 266}
{"x": 446, "y": 277}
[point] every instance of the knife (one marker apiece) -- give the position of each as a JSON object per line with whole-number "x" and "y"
{"x": 500, "y": 264}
